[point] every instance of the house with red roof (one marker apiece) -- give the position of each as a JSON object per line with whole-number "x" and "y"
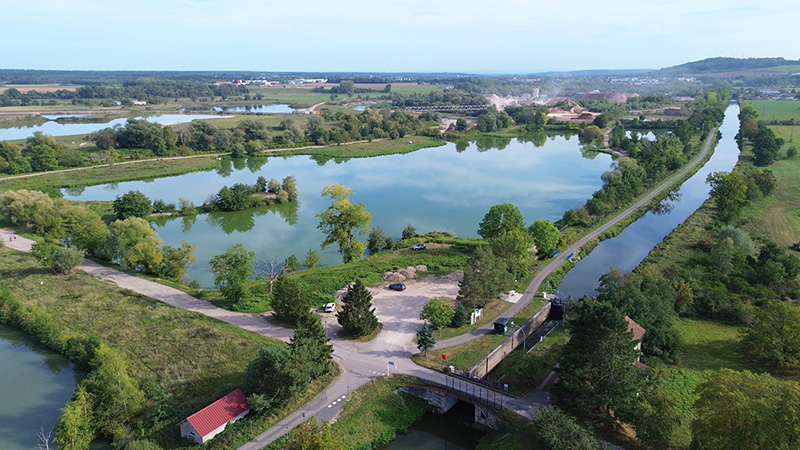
{"x": 210, "y": 421}
{"x": 638, "y": 334}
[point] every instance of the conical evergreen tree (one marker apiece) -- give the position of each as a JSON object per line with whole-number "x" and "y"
{"x": 460, "y": 318}
{"x": 312, "y": 345}
{"x": 288, "y": 303}
{"x": 425, "y": 340}
{"x": 357, "y": 316}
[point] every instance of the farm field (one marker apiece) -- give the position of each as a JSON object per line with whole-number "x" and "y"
{"x": 779, "y": 110}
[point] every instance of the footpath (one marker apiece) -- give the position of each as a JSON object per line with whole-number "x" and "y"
{"x": 361, "y": 362}
{"x": 533, "y": 288}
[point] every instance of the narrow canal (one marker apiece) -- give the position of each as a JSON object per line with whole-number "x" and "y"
{"x": 630, "y": 247}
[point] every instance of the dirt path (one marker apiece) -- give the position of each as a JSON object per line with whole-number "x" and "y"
{"x": 533, "y": 287}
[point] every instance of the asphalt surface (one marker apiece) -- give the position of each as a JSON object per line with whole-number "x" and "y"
{"x": 361, "y": 362}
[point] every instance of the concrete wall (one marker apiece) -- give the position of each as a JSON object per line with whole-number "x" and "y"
{"x": 486, "y": 417}
{"x": 507, "y": 346}
{"x": 439, "y": 400}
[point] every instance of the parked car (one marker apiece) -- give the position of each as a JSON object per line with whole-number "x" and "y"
{"x": 329, "y": 307}
{"x": 397, "y": 286}
{"x": 419, "y": 247}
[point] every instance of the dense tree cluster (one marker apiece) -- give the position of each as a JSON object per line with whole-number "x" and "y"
{"x": 438, "y": 98}
{"x": 153, "y": 90}
{"x": 242, "y": 196}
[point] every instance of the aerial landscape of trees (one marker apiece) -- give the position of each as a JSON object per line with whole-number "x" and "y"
{"x": 732, "y": 273}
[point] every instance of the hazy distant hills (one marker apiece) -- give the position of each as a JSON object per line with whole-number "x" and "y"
{"x": 721, "y": 65}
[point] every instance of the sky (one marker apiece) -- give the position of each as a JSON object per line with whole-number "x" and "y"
{"x": 474, "y": 36}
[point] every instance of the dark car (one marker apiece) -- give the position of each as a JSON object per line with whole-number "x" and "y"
{"x": 397, "y": 286}
{"x": 419, "y": 247}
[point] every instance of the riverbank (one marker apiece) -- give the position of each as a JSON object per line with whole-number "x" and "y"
{"x": 182, "y": 360}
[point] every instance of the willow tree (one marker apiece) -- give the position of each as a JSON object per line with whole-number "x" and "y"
{"x": 343, "y": 221}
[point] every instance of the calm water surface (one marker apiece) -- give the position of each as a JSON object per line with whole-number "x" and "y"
{"x": 446, "y": 188}
{"x": 68, "y": 129}
{"x": 630, "y": 247}
{"x": 441, "y": 431}
{"x": 265, "y": 109}
{"x": 35, "y": 384}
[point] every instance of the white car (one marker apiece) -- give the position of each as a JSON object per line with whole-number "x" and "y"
{"x": 329, "y": 307}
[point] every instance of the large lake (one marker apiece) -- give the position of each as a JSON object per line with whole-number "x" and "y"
{"x": 68, "y": 129}
{"x": 446, "y": 188}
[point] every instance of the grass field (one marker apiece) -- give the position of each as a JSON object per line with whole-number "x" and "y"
{"x": 376, "y": 412}
{"x": 783, "y": 68}
{"x": 115, "y": 173}
{"x": 779, "y": 110}
{"x": 184, "y": 359}
{"x": 709, "y": 345}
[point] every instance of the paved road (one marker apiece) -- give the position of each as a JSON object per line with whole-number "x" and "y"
{"x": 533, "y": 287}
{"x": 361, "y": 362}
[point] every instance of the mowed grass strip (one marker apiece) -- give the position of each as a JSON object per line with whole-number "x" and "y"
{"x": 113, "y": 174}
{"x": 463, "y": 356}
{"x": 184, "y": 359}
{"x": 709, "y": 345}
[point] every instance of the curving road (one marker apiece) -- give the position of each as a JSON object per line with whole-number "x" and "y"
{"x": 361, "y": 362}
{"x": 533, "y": 287}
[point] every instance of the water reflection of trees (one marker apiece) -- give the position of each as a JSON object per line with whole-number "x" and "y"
{"x": 54, "y": 362}
{"x": 255, "y": 163}
{"x": 243, "y": 221}
{"x": 486, "y": 143}
{"x": 75, "y": 191}
{"x": 666, "y": 204}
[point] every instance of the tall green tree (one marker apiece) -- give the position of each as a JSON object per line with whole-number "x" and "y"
{"x": 312, "y": 259}
{"x": 545, "y": 237}
{"x": 765, "y": 145}
{"x": 232, "y": 270}
{"x": 132, "y": 204}
{"x": 43, "y": 152}
{"x": 484, "y": 277}
{"x": 176, "y": 260}
{"x": 343, "y": 221}
{"x": 774, "y": 337}
{"x": 312, "y": 345}
{"x": 134, "y": 244}
{"x": 438, "y": 312}
{"x": 117, "y": 394}
{"x": 559, "y": 431}
{"x": 514, "y": 247}
{"x": 648, "y": 299}
{"x": 11, "y": 159}
{"x": 77, "y": 429}
{"x": 425, "y": 340}
{"x": 274, "y": 377}
{"x": 598, "y": 377}
{"x": 738, "y": 410}
{"x": 500, "y": 219}
{"x": 408, "y": 232}
{"x": 729, "y": 193}
{"x": 288, "y": 302}
{"x": 357, "y": 316}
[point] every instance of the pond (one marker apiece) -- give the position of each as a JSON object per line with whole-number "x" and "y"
{"x": 280, "y": 108}
{"x": 35, "y": 384}
{"x": 68, "y": 129}
{"x": 629, "y": 248}
{"x": 448, "y": 188}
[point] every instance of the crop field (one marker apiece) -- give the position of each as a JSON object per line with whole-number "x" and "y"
{"x": 23, "y": 88}
{"x": 787, "y": 68}
{"x": 779, "y": 110}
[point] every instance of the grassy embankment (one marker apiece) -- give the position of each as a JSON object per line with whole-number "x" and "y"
{"x": 182, "y": 360}
{"x": 710, "y": 345}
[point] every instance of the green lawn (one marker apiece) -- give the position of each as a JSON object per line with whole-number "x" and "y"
{"x": 709, "y": 345}
{"x": 182, "y": 360}
{"x": 779, "y": 110}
